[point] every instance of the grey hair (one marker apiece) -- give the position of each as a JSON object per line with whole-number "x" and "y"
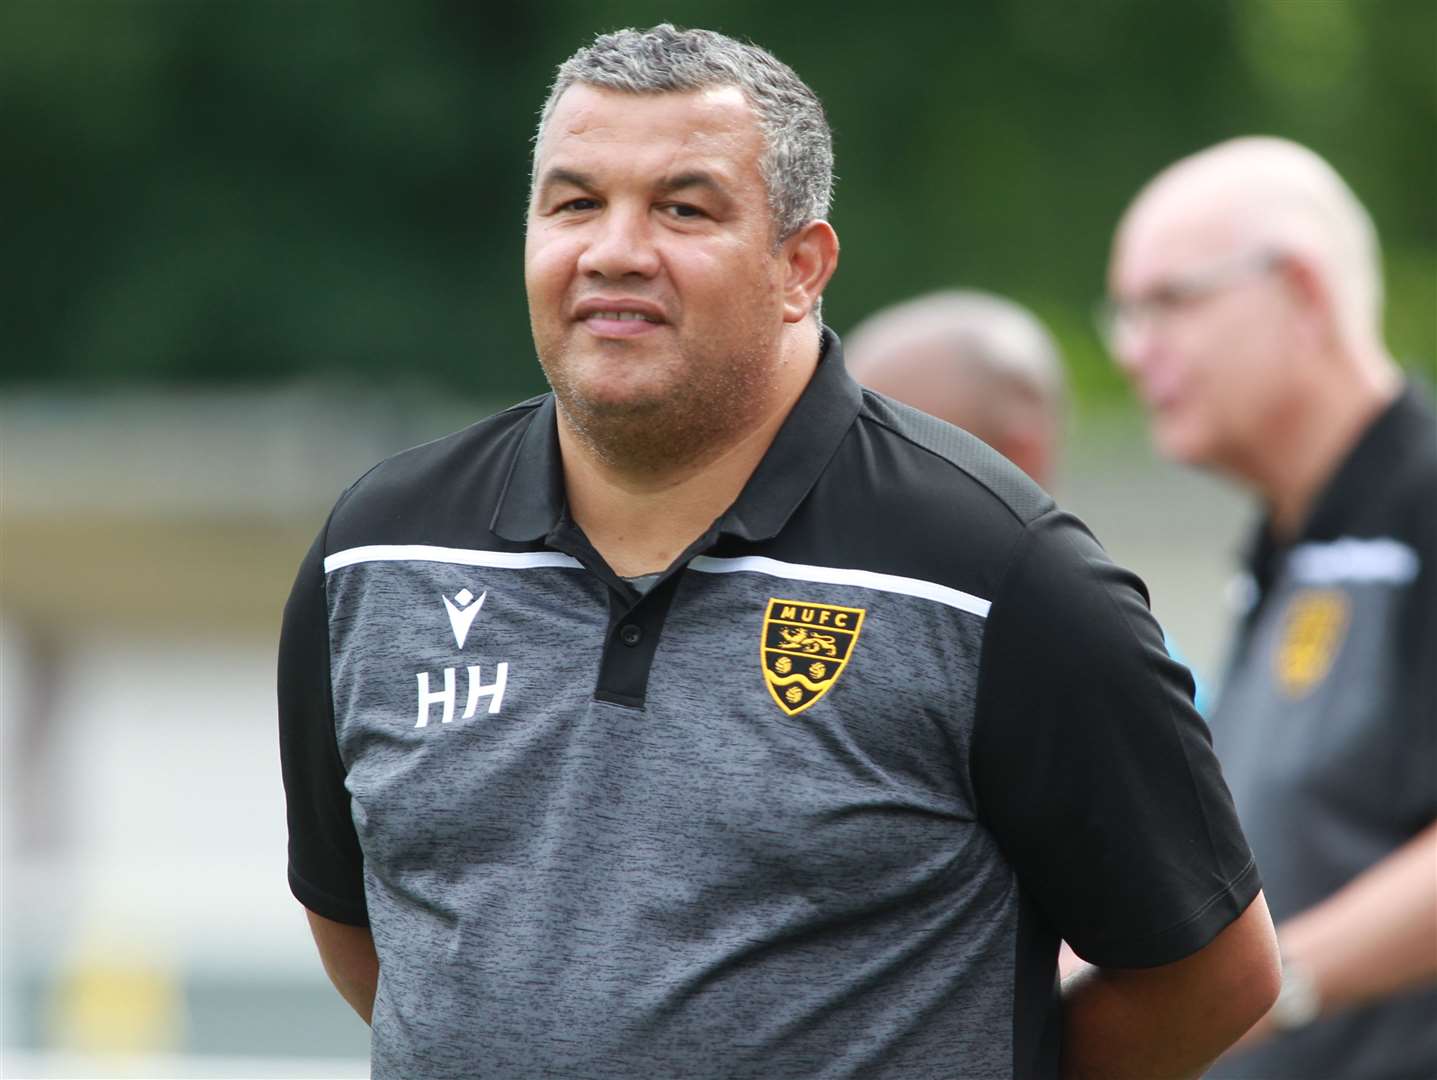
{"x": 797, "y": 161}
{"x": 978, "y": 330}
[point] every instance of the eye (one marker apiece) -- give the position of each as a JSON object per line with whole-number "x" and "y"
{"x": 578, "y": 205}
{"x": 1167, "y": 297}
{"x": 684, "y": 211}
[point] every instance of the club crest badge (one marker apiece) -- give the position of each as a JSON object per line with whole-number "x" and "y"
{"x": 1313, "y": 629}
{"x": 805, "y": 648}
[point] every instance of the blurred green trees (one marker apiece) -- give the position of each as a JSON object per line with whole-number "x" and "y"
{"x": 215, "y": 190}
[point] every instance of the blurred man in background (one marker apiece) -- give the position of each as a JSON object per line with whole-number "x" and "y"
{"x": 975, "y": 360}
{"x": 1246, "y": 308}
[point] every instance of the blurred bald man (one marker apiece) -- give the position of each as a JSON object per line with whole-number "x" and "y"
{"x": 1246, "y": 308}
{"x": 975, "y": 360}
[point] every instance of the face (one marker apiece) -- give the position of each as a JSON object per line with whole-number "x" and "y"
{"x": 1205, "y": 335}
{"x": 655, "y": 285}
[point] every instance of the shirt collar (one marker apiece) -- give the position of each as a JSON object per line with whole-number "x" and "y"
{"x": 533, "y": 504}
{"x": 801, "y": 450}
{"x": 1362, "y": 472}
{"x": 1386, "y": 440}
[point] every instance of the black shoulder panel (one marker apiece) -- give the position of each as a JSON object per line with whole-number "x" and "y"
{"x": 441, "y": 492}
{"x": 908, "y": 495}
{"x": 1008, "y": 483}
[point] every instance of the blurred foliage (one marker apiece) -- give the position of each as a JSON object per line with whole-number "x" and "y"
{"x": 215, "y": 190}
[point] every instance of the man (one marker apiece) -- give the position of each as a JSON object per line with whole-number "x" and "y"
{"x": 1246, "y": 303}
{"x": 975, "y": 360}
{"x": 684, "y": 721}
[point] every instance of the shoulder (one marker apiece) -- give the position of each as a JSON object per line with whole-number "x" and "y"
{"x": 908, "y": 495}
{"x": 420, "y": 493}
{"x": 1409, "y": 473}
{"x": 938, "y": 452}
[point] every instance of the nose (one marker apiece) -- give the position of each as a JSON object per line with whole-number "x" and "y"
{"x": 620, "y": 243}
{"x": 1131, "y": 341}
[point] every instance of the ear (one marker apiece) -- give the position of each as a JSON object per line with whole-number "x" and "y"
{"x": 1312, "y": 296}
{"x": 1303, "y": 279}
{"x": 810, "y": 257}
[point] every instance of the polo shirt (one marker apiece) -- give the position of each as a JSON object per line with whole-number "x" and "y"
{"x": 819, "y": 802}
{"x": 1327, "y": 721}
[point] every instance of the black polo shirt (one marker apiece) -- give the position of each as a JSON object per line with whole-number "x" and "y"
{"x": 820, "y": 802}
{"x": 1327, "y": 721}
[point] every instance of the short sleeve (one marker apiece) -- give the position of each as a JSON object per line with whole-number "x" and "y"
{"x": 1414, "y": 712}
{"x": 326, "y": 866}
{"x": 1092, "y": 767}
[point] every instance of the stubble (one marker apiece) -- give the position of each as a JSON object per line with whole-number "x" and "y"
{"x": 702, "y": 405}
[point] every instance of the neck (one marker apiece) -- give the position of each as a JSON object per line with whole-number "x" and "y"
{"x": 1302, "y": 451}
{"x": 640, "y": 511}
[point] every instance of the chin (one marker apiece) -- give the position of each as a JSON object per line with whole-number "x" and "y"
{"x": 1193, "y": 457}
{"x": 600, "y": 384}
{"x": 615, "y": 401}
{"x": 622, "y": 405}
{"x": 1177, "y": 445}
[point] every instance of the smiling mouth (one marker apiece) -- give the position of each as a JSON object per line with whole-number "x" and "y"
{"x": 620, "y": 324}
{"x": 619, "y": 316}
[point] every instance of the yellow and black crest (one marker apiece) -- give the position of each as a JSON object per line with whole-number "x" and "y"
{"x": 805, "y": 648}
{"x": 1314, "y": 626}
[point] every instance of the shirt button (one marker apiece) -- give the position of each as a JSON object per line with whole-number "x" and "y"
{"x": 631, "y": 635}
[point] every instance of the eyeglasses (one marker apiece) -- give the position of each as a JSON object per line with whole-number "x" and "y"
{"x": 1115, "y": 317}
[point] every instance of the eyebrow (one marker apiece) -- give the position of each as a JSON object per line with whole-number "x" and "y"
{"x": 559, "y": 175}
{"x": 696, "y": 178}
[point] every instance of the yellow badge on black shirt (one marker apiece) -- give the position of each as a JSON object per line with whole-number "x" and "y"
{"x": 1313, "y": 629}
{"x": 805, "y": 648}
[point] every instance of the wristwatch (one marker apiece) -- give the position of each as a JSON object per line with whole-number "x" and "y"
{"x": 1298, "y": 1002}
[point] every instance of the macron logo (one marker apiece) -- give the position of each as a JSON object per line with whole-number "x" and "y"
{"x": 462, "y": 610}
